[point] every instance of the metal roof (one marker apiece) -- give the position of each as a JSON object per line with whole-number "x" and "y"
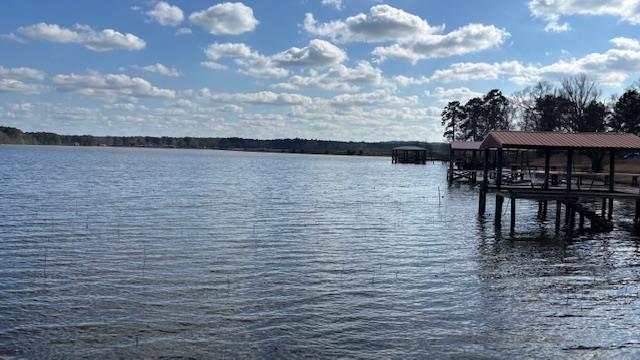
{"x": 558, "y": 140}
{"x": 465, "y": 145}
{"x": 414, "y": 148}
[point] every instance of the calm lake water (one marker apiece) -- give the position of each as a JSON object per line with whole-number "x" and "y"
{"x": 109, "y": 253}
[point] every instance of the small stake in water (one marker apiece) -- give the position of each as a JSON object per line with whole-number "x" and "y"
{"x": 438, "y": 195}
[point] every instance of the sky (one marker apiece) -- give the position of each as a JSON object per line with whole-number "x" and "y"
{"x": 318, "y": 69}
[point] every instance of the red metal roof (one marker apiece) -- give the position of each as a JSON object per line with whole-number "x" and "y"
{"x": 465, "y": 145}
{"x": 558, "y": 140}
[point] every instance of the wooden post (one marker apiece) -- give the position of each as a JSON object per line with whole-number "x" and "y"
{"x": 612, "y": 171}
{"x": 636, "y": 219}
{"x": 485, "y": 183}
{"x": 498, "y": 217}
{"x": 569, "y": 168}
{"x": 572, "y": 217}
{"x": 450, "y": 172}
{"x": 604, "y": 207}
{"x": 558, "y": 210}
{"x": 499, "y": 169}
{"x": 545, "y": 185}
{"x": 513, "y": 215}
{"x": 581, "y": 225}
{"x": 612, "y": 181}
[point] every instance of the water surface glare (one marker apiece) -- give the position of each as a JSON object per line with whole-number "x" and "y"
{"x": 108, "y": 252}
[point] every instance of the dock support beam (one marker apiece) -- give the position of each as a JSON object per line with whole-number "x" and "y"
{"x": 499, "y": 169}
{"x": 545, "y": 185}
{"x": 498, "y": 217}
{"x": 569, "y": 168}
{"x": 558, "y": 210}
{"x": 612, "y": 171}
{"x": 513, "y": 215}
{"x": 482, "y": 205}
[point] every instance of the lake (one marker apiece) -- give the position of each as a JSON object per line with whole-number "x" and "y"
{"x": 110, "y": 253}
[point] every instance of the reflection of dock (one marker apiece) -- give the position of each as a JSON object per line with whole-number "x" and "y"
{"x": 515, "y": 185}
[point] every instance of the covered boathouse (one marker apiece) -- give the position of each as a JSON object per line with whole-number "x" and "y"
{"x": 409, "y": 155}
{"x": 569, "y": 195}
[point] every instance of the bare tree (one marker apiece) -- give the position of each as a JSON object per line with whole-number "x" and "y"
{"x": 581, "y": 91}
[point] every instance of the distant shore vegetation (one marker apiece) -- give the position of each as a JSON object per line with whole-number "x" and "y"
{"x": 10, "y": 135}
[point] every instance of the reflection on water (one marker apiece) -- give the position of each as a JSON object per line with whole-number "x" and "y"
{"x": 131, "y": 252}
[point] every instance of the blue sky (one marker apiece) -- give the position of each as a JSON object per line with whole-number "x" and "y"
{"x": 324, "y": 69}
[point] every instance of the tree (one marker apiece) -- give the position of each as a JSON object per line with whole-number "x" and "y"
{"x": 626, "y": 113}
{"x": 452, "y": 117}
{"x": 473, "y": 125}
{"x": 548, "y": 113}
{"x": 496, "y": 109}
{"x": 580, "y": 91}
{"x": 526, "y": 104}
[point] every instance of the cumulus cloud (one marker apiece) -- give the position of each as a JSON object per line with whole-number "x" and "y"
{"x": 402, "y": 80}
{"x": 465, "y": 40}
{"x": 335, "y": 3}
{"x": 22, "y": 72}
{"x": 461, "y": 94}
{"x": 17, "y": 86}
{"x": 318, "y": 53}
{"x": 413, "y": 38}
{"x": 337, "y": 78}
{"x": 611, "y": 67}
{"x": 109, "y": 86}
{"x": 625, "y": 43}
{"x": 218, "y": 51}
{"x": 382, "y": 23}
{"x": 552, "y": 11}
{"x": 161, "y": 69}
{"x": 377, "y": 98}
{"x": 166, "y": 14}
{"x": 225, "y": 19}
{"x": 103, "y": 40}
{"x": 258, "y": 98}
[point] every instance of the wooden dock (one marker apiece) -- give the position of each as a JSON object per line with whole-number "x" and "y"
{"x": 512, "y": 186}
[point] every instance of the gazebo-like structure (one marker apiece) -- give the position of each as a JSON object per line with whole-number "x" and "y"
{"x": 459, "y": 169}
{"x": 409, "y": 155}
{"x": 546, "y": 142}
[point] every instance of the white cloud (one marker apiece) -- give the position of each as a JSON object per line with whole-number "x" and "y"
{"x": 162, "y": 70}
{"x": 103, "y": 40}
{"x": 414, "y": 39}
{"x": 402, "y": 80}
{"x": 12, "y": 37}
{"x": 335, "y": 3}
{"x": 625, "y": 43}
{"x": 109, "y": 86}
{"x": 17, "y": 86}
{"x": 382, "y": 23}
{"x": 375, "y": 98}
{"x": 259, "y": 98}
{"x": 217, "y": 51}
{"x": 317, "y": 53}
{"x": 166, "y": 14}
{"x": 465, "y": 40}
{"x": 213, "y": 65}
{"x": 477, "y": 71}
{"x": 611, "y": 67}
{"x": 183, "y": 31}
{"x": 225, "y": 19}
{"x": 337, "y": 78}
{"x": 553, "y": 10}
{"x": 461, "y": 94}
{"x": 22, "y": 72}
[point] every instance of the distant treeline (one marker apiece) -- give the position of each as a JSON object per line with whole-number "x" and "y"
{"x": 9, "y": 135}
